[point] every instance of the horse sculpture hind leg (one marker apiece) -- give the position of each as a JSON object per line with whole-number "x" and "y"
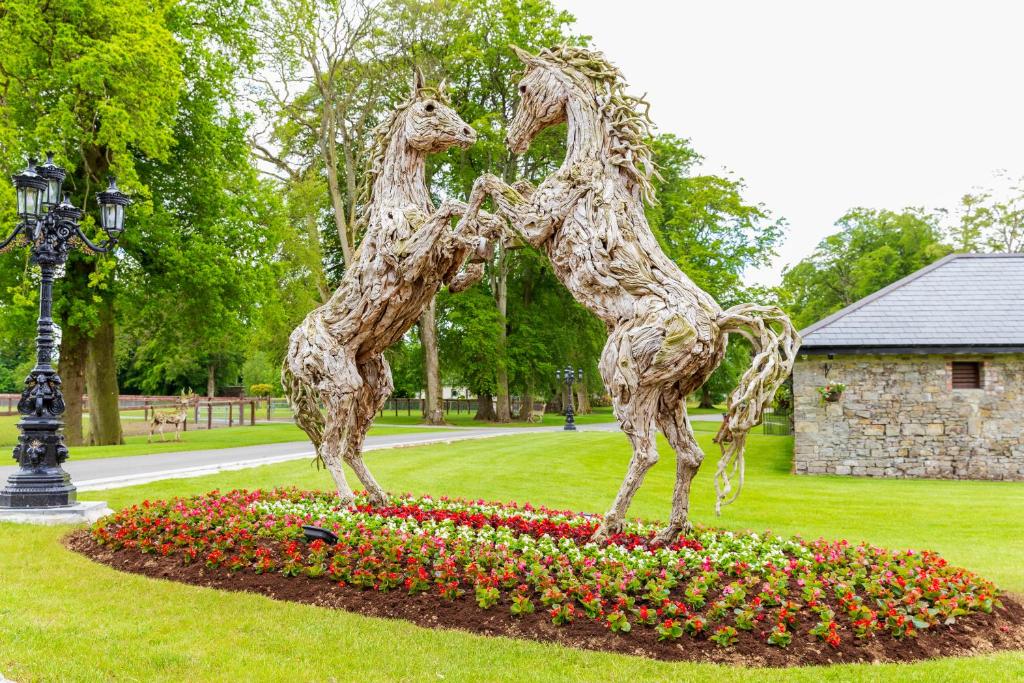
{"x": 675, "y": 426}
{"x": 339, "y": 391}
{"x": 635, "y": 407}
{"x": 374, "y": 391}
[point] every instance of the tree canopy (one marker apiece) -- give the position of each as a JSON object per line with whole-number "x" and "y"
{"x": 874, "y": 248}
{"x": 146, "y": 90}
{"x": 241, "y": 128}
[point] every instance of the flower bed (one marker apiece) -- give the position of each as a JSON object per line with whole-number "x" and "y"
{"x": 714, "y": 593}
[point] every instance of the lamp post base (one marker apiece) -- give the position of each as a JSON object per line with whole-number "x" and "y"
{"x": 47, "y": 487}
{"x": 85, "y": 512}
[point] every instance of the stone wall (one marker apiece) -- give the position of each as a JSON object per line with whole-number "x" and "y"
{"x": 900, "y": 417}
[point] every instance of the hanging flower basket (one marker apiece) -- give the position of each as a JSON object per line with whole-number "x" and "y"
{"x": 830, "y": 393}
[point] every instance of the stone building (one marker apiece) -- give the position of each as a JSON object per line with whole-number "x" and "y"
{"x": 934, "y": 372}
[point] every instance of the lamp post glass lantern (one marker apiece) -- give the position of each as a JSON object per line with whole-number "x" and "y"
{"x": 54, "y": 176}
{"x": 50, "y": 230}
{"x": 569, "y": 375}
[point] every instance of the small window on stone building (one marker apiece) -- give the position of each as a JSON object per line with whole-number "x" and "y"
{"x": 966, "y": 375}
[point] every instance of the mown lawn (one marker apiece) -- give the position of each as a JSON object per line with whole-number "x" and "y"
{"x": 67, "y": 619}
{"x": 227, "y": 437}
{"x": 465, "y": 419}
{"x": 599, "y": 415}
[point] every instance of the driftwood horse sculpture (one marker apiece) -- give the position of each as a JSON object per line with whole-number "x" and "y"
{"x": 408, "y": 251}
{"x": 665, "y": 335}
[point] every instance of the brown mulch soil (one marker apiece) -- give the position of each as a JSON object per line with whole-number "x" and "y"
{"x": 974, "y": 634}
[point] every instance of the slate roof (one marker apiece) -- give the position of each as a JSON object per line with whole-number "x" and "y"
{"x": 963, "y": 302}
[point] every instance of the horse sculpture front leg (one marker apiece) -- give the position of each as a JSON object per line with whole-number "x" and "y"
{"x": 472, "y": 235}
{"x": 532, "y": 220}
{"x": 535, "y": 214}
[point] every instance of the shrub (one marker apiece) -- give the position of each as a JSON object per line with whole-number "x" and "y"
{"x": 261, "y": 390}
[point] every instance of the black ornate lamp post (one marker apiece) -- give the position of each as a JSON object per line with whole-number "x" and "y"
{"x": 569, "y": 376}
{"x": 49, "y": 226}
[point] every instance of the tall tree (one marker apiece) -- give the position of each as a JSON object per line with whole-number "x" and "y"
{"x": 323, "y": 85}
{"x": 468, "y": 337}
{"x": 98, "y": 83}
{"x": 704, "y": 223}
{"x": 142, "y": 89}
{"x": 991, "y": 219}
{"x": 468, "y": 42}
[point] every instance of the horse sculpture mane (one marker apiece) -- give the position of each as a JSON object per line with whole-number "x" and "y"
{"x": 627, "y": 116}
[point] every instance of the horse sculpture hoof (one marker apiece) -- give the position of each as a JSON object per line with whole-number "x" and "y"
{"x": 670, "y": 534}
{"x": 377, "y": 499}
{"x": 607, "y": 529}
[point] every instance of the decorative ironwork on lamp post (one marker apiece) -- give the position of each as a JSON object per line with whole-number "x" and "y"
{"x": 49, "y": 226}
{"x": 569, "y": 375}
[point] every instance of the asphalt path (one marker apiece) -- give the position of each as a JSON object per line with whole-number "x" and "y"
{"x": 105, "y": 473}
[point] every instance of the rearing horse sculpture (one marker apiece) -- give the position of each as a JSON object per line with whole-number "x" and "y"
{"x": 409, "y": 250}
{"x": 665, "y": 335}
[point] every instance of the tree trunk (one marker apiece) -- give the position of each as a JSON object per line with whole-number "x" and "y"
{"x": 328, "y": 144}
{"x": 706, "y": 400}
{"x": 527, "y": 405}
{"x": 211, "y": 380}
{"x": 582, "y": 399}
{"x": 101, "y": 381}
{"x": 501, "y": 375}
{"x": 313, "y": 237}
{"x": 434, "y": 411}
{"x": 485, "y": 408}
{"x": 73, "y": 351}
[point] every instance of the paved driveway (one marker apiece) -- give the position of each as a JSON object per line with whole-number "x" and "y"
{"x": 104, "y": 473}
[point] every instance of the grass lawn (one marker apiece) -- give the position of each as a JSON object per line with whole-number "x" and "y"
{"x": 65, "y": 618}
{"x": 228, "y": 437}
{"x": 692, "y": 409}
{"x": 599, "y": 415}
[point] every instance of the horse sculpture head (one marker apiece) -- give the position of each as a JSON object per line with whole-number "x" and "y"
{"x": 430, "y": 124}
{"x": 543, "y": 95}
{"x": 567, "y": 76}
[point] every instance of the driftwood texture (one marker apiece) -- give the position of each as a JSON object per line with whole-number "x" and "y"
{"x": 408, "y": 252}
{"x": 665, "y": 335}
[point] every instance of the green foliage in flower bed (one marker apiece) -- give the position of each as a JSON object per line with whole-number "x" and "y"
{"x": 525, "y": 558}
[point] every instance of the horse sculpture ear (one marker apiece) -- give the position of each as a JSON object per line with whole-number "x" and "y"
{"x": 418, "y": 82}
{"x": 524, "y": 56}
{"x": 442, "y": 89}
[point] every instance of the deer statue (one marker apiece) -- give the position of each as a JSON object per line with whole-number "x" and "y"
{"x": 176, "y": 416}
{"x": 665, "y": 335}
{"x": 336, "y": 356}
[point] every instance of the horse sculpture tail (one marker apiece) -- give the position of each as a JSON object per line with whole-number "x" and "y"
{"x": 774, "y": 354}
{"x": 305, "y": 405}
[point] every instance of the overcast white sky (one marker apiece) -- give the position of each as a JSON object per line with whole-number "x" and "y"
{"x": 823, "y": 106}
